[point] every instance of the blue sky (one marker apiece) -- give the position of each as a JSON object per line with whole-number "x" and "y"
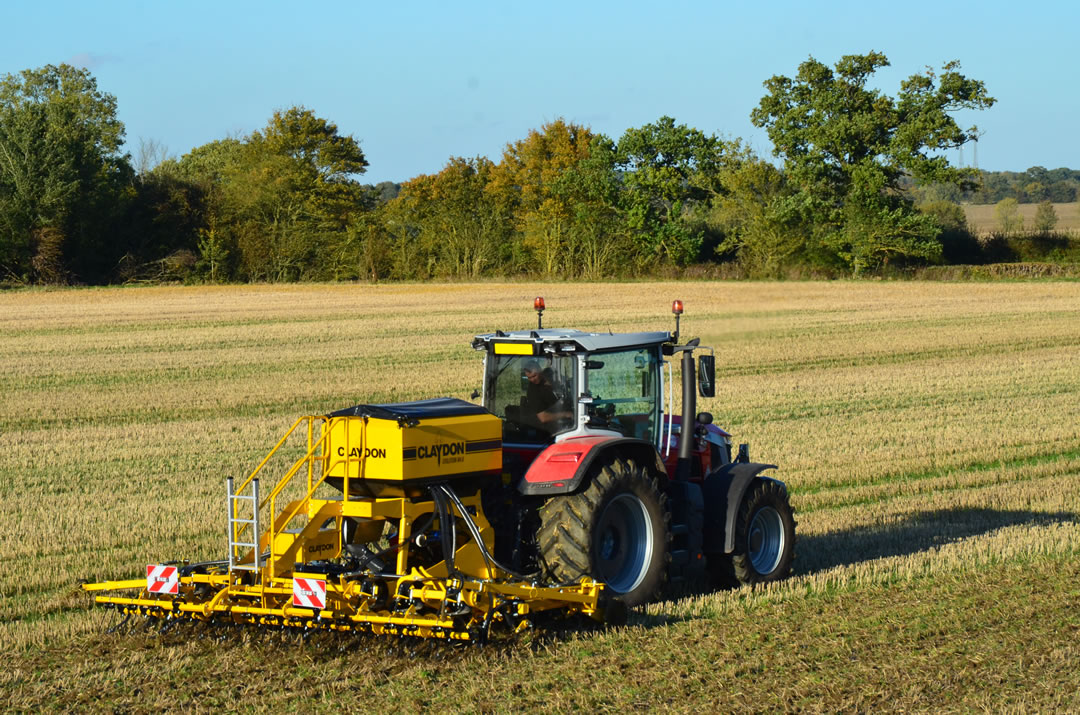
{"x": 419, "y": 82}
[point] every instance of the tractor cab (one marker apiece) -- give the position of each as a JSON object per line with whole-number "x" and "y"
{"x": 554, "y": 385}
{"x": 551, "y": 385}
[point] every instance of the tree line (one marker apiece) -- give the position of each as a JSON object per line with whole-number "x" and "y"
{"x": 286, "y": 202}
{"x": 1034, "y": 186}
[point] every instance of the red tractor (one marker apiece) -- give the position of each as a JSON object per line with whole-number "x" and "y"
{"x": 601, "y": 479}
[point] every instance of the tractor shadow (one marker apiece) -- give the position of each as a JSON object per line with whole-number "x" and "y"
{"x": 912, "y": 534}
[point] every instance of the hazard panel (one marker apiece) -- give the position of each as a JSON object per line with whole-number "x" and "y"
{"x": 162, "y": 579}
{"x": 309, "y": 592}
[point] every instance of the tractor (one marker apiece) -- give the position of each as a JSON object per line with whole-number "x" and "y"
{"x": 601, "y": 479}
{"x": 572, "y": 488}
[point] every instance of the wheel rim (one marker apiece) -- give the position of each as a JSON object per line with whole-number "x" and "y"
{"x": 625, "y": 543}
{"x": 765, "y": 540}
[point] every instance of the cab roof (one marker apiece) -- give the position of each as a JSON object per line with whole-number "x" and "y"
{"x": 575, "y": 340}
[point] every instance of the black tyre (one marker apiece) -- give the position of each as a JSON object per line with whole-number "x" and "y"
{"x": 764, "y": 537}
{"x": 615, "y": 530}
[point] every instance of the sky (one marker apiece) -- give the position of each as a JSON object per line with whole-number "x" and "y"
{"x": 417, "y": 83}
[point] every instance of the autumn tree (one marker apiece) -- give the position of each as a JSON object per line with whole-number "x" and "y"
{"x": 847, "y": 147}
{"x": 459, "y": 227}
{"x": 530, "y": 183}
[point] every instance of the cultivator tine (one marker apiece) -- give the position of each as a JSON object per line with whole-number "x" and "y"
{"x": 119, "y": 625}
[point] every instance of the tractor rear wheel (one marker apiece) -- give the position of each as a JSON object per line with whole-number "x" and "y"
{"x": 764, "y": 537}
{"x": 615, "y": 531}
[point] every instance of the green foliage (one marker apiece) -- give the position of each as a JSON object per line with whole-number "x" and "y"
{"x": 533, "y": 183}
{"x": 63, "y": 178}
{"x": 167, "y": 214}
{"x": 1007, "y": 214}
{"x": 366, "y": 252}
{"x": 284, "y": 203}
{"x": 599, "y": 241}
{"x": 279, "y": 200}
{"x": 668, "y": 171}
{"x": 1034, "y": 185}
{"x": 458, "y": 224}
{"x": 848, "y": 148}
{"x": 1045, "y": 217}
{"x": 760, "y": 216}
{"x": 948, "y": 215}
{"x": 212, "y": 256}
{"x": 958, "y": 245}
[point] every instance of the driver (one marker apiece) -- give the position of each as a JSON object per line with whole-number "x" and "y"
{"x": 540, "y": 396}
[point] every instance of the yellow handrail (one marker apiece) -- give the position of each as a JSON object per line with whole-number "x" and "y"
{"x": 287, "y": 517}
{"x": 308, "y": 459}
{"x": 310, "y": 420}
{"x": 313, "y": 455}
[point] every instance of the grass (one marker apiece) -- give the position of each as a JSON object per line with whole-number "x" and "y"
{"x": 929, "y": 433}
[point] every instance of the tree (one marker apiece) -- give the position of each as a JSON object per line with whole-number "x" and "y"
{"x": 1007, "y": 215}
{"x": 668, "y": 171}
{"x": 1045, "y": 217}
{"x": 599, "y": 242}
{"x": 848, "y": 148}
{"x": 527, "y": 183}
{"x": 957, "y": 243}
{"x": 459, "y": 225}
{"x": 760, "y": 217}
{"x": 280, "y": 199}
{"x": 63, "y": 177}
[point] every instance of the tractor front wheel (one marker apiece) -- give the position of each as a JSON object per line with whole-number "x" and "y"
{"x": 615, "y": 531}
{"x": 764, "y": 535}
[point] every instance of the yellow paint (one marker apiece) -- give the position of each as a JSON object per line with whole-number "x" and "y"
{"x": 515, "y": 348}
{"x": 371, "y": 448}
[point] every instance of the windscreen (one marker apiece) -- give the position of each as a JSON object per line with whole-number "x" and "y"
{"x": 533, "y": 395}
{"x": 625, "y": 387}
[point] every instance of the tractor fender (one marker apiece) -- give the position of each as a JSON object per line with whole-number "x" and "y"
{"x": 723, "y": 491}
{"x": 561, "y": 468}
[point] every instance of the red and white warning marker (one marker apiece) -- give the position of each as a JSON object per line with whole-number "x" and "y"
{"x": 162, "y": 579}
{"x": 309, "y": 592}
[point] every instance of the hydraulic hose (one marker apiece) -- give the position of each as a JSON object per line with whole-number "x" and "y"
{"x": 475, "y": 531}
{"x": 447, "y": 527}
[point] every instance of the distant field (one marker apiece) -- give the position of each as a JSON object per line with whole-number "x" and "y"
{"x": 981, "y": 219}
{"x": 929, "y": 432}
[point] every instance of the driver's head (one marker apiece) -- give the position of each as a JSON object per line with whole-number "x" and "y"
{"x": 531, "y": 371}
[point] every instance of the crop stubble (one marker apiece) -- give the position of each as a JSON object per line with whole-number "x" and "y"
{"x": 924, "y": 429}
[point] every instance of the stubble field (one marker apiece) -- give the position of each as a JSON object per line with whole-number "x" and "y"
{"x": 982, "y": 218}
{"x": 929, "y": 434}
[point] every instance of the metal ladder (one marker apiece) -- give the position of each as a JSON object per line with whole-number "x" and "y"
{"x": 237, "y": 510}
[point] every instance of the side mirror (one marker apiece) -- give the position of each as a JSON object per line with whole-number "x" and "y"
{"x": 707, "y": 375}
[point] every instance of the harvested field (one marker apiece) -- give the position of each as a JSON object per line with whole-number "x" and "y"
{"x": 982, "y": 221}
{"x": 929, "y": 434}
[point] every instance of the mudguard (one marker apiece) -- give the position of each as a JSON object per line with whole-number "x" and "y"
{"x": 723, "y": 491}
{"x": 561, "y": 468}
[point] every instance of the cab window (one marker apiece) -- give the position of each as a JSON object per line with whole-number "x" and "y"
{"x": 625, "y": 390}
{"x": 533, "y": 394}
